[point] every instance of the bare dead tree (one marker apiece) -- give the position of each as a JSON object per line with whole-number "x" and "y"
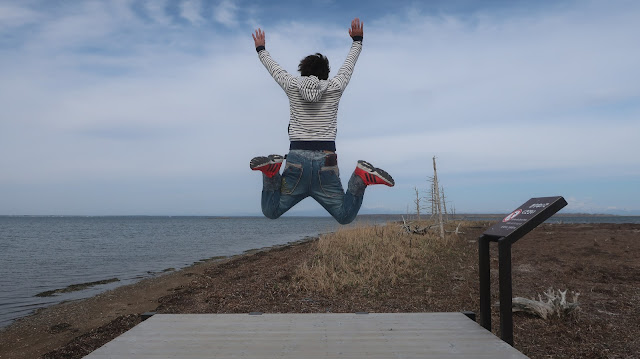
{"x": 431, "y": 198}
{"x": 417, "y": 202}
{"x": 437, "y": 205}
{"x": 437, "y": 197}
{"x": 444, "y": 204}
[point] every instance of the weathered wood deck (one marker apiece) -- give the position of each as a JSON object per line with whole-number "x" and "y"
{"x": 309, "y": 336}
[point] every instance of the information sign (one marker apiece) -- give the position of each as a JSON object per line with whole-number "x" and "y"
{"x": 526, "y": 217}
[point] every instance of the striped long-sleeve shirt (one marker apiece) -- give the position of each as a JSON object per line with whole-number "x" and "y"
{"x": 313, "y": 103}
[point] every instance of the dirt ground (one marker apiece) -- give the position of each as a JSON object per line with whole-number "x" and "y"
{"x": 600, "y": 261}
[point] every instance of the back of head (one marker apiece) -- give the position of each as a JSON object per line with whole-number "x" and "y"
{"x": 316, "y": 65}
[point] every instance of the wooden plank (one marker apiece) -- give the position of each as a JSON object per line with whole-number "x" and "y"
{"x": 332, "y": 335}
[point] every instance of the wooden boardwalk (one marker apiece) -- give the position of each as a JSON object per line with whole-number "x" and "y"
{"x": 308, "y": 336}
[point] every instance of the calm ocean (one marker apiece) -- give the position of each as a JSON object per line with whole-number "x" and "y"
{"x": 39, "y": 254}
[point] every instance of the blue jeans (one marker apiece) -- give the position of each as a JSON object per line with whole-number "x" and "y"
{"x": 304, "y": 175}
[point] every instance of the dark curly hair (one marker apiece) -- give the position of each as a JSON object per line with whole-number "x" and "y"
{"x": 317, "y": 65}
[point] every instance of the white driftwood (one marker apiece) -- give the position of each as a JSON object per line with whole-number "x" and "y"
{"x": 457, "y": 231}
{"x": 555, "y": 304}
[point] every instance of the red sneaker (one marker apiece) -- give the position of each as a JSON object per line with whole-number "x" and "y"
{"x": 270, "y": 165}
{"x": 372, "y": 175}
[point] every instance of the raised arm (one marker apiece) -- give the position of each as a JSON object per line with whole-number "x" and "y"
{"x": 282, "y": 77}
{"x": 356, "y": 31}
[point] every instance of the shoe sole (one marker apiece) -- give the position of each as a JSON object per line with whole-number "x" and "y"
{"x": 262, "y": 161}
{"x": 382, "y": 174}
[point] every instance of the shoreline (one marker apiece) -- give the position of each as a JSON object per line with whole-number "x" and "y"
{"x": 51, "y": 253}
{"x": 56, "y": 324}
{"x": 132, "y": 280}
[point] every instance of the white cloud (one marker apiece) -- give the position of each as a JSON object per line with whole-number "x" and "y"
{"x": 156, "y": 9}
{"x": 13, "y": 15}
{"x": 588, "y": 205}
{"x": 500, "y": 70}
{"x": 226, "y": 13}
{"x": 190, "y": 10}
{"x": 527, "y": 147}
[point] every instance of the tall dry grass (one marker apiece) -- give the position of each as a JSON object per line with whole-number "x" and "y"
{"x": 371, "y": 258}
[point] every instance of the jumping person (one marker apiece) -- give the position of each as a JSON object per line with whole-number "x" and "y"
{"x": 312, "y": 167}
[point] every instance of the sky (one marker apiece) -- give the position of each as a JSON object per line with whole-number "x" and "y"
{"x": 155, "y": 107}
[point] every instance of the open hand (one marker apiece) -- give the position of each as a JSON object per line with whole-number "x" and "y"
{"x": 356, "y": 28}
{"x": 258, "y": 37}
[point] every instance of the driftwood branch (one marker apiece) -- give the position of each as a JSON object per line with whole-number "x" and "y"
{"x": 408, "y": 228}
{"x": 457, "y": 231}
{"x": 555, "y": 304}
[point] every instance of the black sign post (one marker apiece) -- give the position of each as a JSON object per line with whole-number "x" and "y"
{"x": 506, "y": 232}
